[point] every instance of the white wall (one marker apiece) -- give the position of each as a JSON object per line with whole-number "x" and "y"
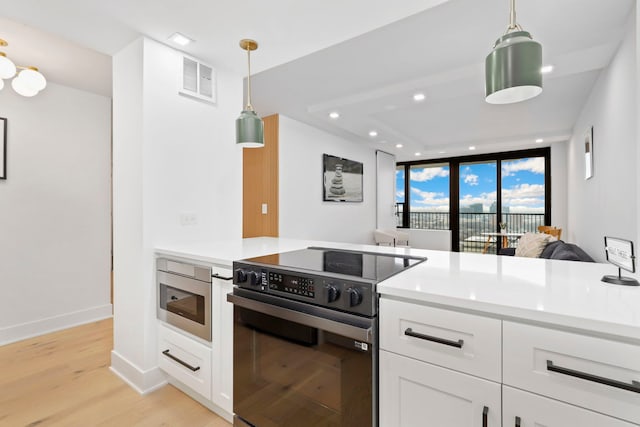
{"x": 303, "y": 214}
{"x": 606, "y": 205}
{"x": 172, "y": 155}
{"x": 55, "y": 230}
{"x": 559, "y": 187}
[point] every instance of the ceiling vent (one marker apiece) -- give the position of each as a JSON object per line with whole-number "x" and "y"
{"x": 197, "y": 80}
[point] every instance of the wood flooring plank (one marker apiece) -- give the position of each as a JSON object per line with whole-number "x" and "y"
{"x": 63, "y": 379}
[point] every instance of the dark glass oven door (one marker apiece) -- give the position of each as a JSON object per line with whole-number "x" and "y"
{"x": 298, "y": 369}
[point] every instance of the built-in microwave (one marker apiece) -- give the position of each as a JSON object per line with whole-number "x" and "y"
{"x": 184, "y": 296}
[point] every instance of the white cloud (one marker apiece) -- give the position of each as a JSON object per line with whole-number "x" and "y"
{"x": 400, "y": 194}
{"x": 486, "y": 199}
{"x": 471, "y": 179}
{"x": 429, "y": 201}
{"x": 534, "y": 165}
{"x": 427, "y": 174}
{"x": 529, "y": 197}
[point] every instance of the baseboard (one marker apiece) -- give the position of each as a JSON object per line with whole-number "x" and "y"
{"x": 143, "y": 382}
{"x": 52, "y": 324}
{"x": 201, "y": 400}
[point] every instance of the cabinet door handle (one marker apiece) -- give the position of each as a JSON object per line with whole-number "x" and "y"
{"x": 182, "y": 362}
{"x": 217, "y": 276}
{"x": 485, "y": 413}
{"x": 457, "y": 344}
{"x": 634, "y": 386}
{"x": 518, "y": 421}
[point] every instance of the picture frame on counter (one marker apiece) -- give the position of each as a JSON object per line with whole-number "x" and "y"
{"x": 620, "y": 253}
{"x": 342, "y": 179}
{"x": 3, "y": 148}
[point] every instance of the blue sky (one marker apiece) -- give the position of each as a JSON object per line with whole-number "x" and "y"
{"x": 522, "y": 186}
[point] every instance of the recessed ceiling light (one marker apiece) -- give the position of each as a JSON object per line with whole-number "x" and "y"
{"x": 373, "y": 133}
{"x": 334, "y": 114}
{"x": 539, "y": 140}
{"x": 180, "y": 39}
{"x": 546, "y": 69}
{"x": 418, "y": 97}
{"x": 472, "y": 148}
{"x": 418, "y": 153}
{"x": 399, "y": 145}
{"x": 441, "y": 152}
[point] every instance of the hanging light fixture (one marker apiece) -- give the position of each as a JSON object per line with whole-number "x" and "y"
{"x": 513, "y": 68}
{"x": 29, "y": 80}
{"x": 249, "y": 127}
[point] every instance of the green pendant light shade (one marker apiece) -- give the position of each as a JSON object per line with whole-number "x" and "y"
{"x": 249, "y": 130}
{"x": 249, "y": 127}
{"x": 513, "y": 69}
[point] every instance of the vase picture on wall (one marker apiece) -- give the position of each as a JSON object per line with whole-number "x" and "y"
{"x": 3, "y": 148}
{"x": 588, "y": 153}
{"x": 342, "y": 179}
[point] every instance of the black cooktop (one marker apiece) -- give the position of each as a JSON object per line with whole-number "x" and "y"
{"x": 326, "y": 261}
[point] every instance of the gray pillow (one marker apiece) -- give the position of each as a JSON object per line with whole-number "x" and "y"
{"x": 548, "y": 250}
{"x": 570, "y": 252}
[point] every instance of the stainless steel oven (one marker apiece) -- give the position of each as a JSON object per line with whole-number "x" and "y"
{"x": 305, "y": 350}
{"x": 184, "y": 296}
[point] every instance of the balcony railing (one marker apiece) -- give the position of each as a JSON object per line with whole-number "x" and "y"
{"x": 472, "y": 225}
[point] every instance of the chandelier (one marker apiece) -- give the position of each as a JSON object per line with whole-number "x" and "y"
{"x": 27, "y": 82}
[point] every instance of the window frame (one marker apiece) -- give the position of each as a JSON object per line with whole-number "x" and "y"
{"x": 454, "y": 183}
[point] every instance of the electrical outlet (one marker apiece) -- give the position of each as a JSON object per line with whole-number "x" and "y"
{"x": 188, "y": 218}
{"x": 264, "y": 209}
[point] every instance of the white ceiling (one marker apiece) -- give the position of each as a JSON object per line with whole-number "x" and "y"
{"x": 363, "y": 58}
{"x": 370, "y": 80}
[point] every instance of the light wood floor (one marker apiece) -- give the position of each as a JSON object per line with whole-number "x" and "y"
{"x": 63, "y": 379}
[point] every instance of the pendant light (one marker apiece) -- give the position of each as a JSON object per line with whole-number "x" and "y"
{"x": 513, "y": 68}
{"x": 28, "y": 82}
{"x": 249, "y": 127}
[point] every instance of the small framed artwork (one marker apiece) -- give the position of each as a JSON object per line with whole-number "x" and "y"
{"x": 3, "y": 148}
{"x": 342, "y": 179}
{"x": 588, "y": 153}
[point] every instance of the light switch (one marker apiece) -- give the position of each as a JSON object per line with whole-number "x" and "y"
{"x": 264, "y": 209}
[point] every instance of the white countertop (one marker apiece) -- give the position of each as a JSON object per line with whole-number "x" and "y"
{"x": 564, "y": 293}
{"x": 226, "y": 251}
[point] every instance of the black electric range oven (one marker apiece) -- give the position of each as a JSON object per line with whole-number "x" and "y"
{"x": 305, "y": 340}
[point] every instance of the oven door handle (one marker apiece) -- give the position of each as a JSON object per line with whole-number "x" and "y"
{"x": 339, "y": 328}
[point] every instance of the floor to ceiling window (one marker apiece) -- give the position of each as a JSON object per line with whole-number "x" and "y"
{"x": 476, "y": 197}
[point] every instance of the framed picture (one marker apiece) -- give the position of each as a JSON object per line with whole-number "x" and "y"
{"x": 3, "y": 148}
{"x": 588, "y": 153}
{"x": 342, "y": 179}
{"x": 619, "y": 252}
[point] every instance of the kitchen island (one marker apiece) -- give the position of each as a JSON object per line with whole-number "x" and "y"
{"x": 531, "y": 337}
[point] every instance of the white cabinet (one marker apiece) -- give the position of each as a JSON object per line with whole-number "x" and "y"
{"x": 595, "y": 373}
{"x": 546, "y": 376}
{"x": 185, "y": 359}
{"x": 415, "y": 393}
{"x": 523, "y": 409}
{"x": 427, "y": 356}
{"x": 460, "y": 341}
{"x": 222, "y": 339}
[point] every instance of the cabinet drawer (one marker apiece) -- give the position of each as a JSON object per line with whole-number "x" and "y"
{"x": 464, "y": 342}
{"x": 533, "y": 410}
{"x": 594, "y": 373}
{"x": 185, "y": 360}
{"x": 414, "y": 393}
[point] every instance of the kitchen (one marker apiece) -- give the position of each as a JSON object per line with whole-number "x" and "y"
{"x": 150, "y": 189}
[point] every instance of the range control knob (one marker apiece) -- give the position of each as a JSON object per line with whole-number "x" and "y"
{"x": 254, "y": 278}
{"x": 241, "y": 276}
{"x": 355, "y": 297}
{"x": 333, "y": 293}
